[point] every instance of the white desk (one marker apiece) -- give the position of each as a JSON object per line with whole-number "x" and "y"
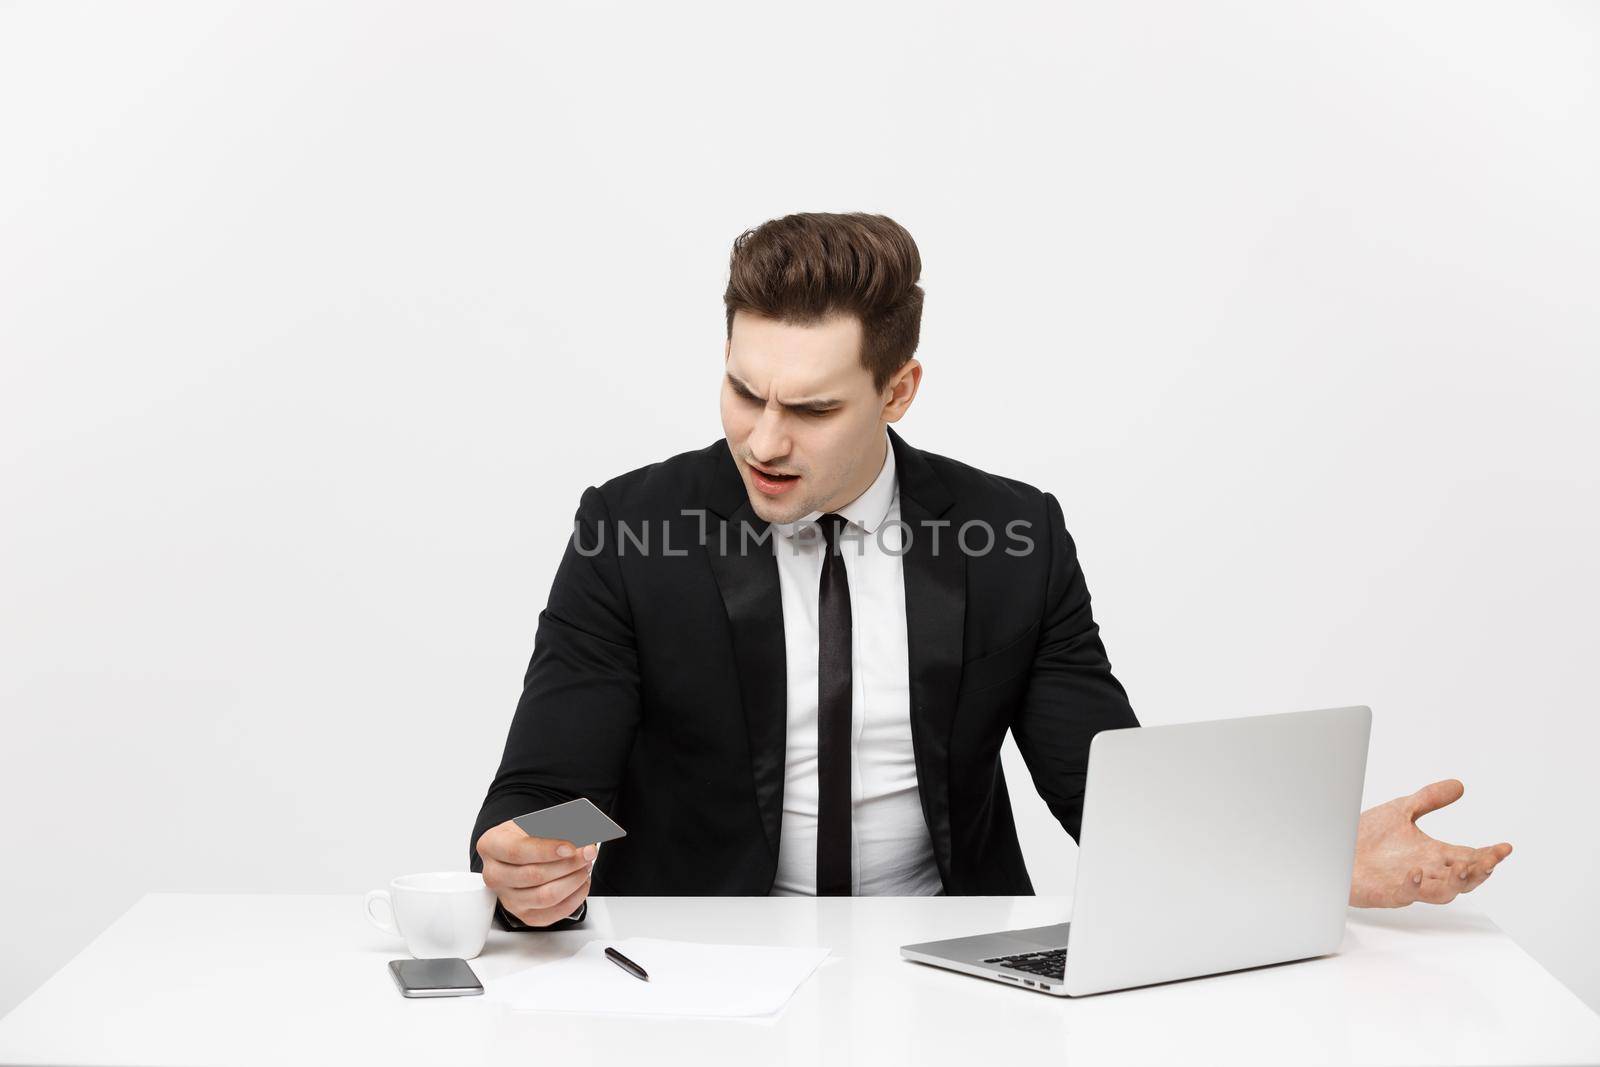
{"x": 280, "y": 979}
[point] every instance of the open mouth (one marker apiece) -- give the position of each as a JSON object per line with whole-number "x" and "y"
{"x": 771, "y": 482}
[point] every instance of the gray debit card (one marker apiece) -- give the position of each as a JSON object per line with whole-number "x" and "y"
{"x": 577, "y": 821}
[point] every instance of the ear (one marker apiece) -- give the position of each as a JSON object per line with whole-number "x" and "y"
{"x": 901, "y": 390}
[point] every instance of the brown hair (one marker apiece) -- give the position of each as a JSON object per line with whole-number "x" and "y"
{"x": 804, "y": 268}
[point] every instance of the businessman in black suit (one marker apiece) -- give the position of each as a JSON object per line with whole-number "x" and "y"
{"x": 811, "y": 631}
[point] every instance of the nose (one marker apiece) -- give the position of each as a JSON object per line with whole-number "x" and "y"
{"x": 769, "y": 438}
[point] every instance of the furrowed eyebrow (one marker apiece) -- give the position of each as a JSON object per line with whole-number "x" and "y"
{"x": 741, "y": 388}
{"x": 811, "y": 406}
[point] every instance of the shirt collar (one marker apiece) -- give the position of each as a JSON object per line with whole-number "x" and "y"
{"x": 868, "y": 510}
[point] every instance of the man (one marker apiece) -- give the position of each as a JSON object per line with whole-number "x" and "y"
{"x": 786, "y": 662}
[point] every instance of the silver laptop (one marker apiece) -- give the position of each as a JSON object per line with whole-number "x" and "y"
{"x": 1206, "y": 847}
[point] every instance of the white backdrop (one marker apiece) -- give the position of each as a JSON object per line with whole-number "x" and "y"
{"x": 316, "y": 320}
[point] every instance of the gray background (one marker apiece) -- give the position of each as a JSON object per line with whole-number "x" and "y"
{"x": 317, "y": 319}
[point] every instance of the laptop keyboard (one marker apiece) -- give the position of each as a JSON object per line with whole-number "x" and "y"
{"x": 1051, "y": 963}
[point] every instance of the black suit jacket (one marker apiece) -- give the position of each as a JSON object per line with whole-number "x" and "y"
{"x": 657, "y": 686}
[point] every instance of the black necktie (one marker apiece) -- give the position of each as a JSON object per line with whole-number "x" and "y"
{"x": 833, "y": 718}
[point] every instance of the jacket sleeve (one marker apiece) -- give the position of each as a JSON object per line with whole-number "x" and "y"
{"x": 579, "y": 709}
{"x": 1072, "y": 694}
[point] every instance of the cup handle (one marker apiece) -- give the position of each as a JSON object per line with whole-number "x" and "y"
{"x": 387, "y": 923}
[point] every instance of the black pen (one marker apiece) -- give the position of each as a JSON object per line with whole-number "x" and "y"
{"x": 626, "y": 964}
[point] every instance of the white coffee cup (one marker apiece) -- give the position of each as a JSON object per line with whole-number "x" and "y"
{"x": 439, "y": 915}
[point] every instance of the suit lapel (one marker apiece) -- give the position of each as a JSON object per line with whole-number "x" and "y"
{"x": 746, "y": 572}
{"x": 936, "y": 604}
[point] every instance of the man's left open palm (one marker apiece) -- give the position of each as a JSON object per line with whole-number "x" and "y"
{"x": 1397, "y": 864}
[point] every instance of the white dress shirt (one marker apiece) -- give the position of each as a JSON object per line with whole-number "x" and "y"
{"x": 890, "y": 850}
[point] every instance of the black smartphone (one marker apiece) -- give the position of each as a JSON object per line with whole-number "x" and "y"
{"x": 435, "y": 978}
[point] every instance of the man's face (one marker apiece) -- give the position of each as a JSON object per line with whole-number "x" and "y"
{"x": 803, "y": 421}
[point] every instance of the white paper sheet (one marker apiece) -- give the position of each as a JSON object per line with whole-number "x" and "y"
{"x": 687, "y": 978}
